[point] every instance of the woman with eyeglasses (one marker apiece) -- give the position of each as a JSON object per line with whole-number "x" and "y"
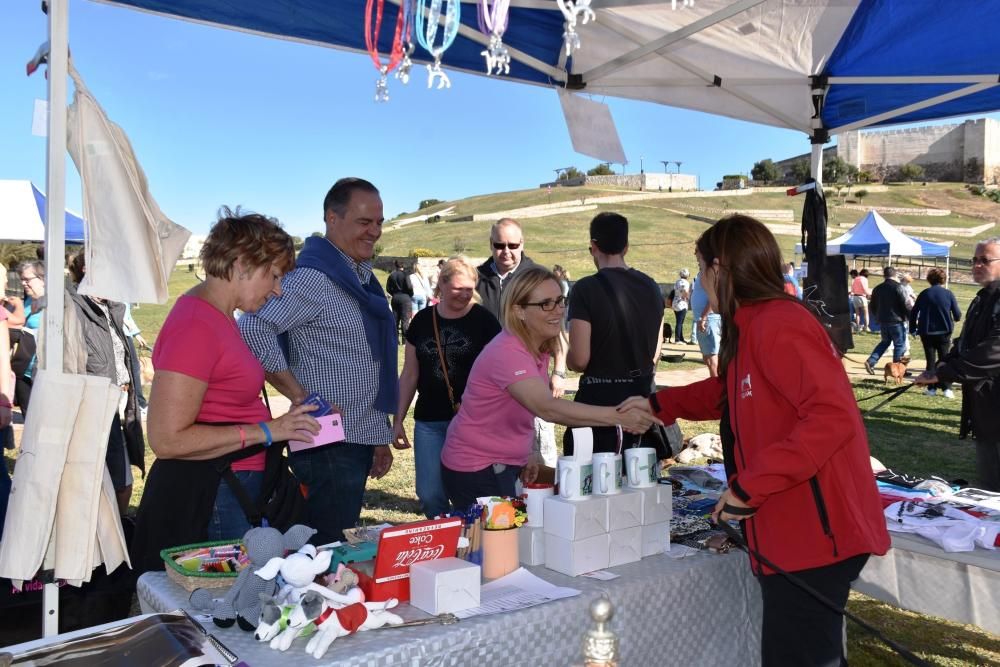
{"x": 795, "y": 447}
{"x": 32, "y": 274}
{"x": 489, "y": 442}
{"x": 442, "y": 343}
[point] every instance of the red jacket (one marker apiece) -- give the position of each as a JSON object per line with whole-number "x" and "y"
{"x": 801, "y": 454}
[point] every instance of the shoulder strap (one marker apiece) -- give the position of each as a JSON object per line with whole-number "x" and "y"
{"x": 636, "y": 371}
{"x": 444, "y": 366}
{"x": 251, "y": 508}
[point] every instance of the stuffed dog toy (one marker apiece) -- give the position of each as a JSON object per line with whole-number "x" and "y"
{"x": 704, "y": 445}
{"x": 896, "y": 370}
{"x": 334, "y": 621}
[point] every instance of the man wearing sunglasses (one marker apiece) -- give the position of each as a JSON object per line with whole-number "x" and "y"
{"x": 974, "y": 361}
{"x": 507, "y": 244}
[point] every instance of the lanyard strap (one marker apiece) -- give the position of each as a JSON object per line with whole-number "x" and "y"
{"x": 371, "y": 43}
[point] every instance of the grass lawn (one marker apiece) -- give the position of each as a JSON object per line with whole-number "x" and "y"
{"x": 916, "y": 433}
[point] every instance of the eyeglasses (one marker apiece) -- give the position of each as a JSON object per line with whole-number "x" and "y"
{"x": 505, "y": 246}
{"x": 549, "y": 304}
{"x": 985, "y": 261}
{"x": 27, "y": 279}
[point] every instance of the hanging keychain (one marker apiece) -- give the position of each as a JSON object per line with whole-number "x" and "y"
{"x": 408, "y": 8}
{"x": 371, "y": 42}
{"x": 426, "y": 27}
{"x": 493, "y": 16}
{"x": 572, "y": 12}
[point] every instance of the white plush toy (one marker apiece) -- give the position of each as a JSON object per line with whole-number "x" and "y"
{"x": 704, "y": 445}
{"x": 334, "y": 621}
{"x": 299, "y": 570}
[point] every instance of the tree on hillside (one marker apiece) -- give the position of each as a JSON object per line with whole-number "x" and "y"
{"x": 860, "y": 194}
{"x": 765, "y": 170}
{"x": 570, "y": 173}
{"x": 600, "y": 170}
{"x": 911, "y": 171}
{"x": 424, "y": 203}
{"x": 836, "y": 170}
{"x": 801, "y": 171}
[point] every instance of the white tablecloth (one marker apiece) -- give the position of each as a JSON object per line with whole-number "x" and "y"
{"x": 702, "y": 610}
{"x": 919, "y": 576}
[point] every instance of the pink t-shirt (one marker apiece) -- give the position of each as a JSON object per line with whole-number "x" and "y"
{"x": 199, "y": 341}
{"x": 491, "y": 426}
{"x": 859, "y": 286}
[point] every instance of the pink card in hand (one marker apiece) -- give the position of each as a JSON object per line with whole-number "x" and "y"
{"x": 331, "y": 429}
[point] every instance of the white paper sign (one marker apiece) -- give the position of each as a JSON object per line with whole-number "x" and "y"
{"x": 591, "y": 128}
{"x": 40, "y": 119}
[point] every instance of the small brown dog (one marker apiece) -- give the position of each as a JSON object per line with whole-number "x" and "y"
{"x": 896, "y": 370}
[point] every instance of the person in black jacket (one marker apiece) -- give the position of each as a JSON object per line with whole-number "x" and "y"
{"x": 888, "y": 306}
{"x": 933, "y": 318}
{"x": 975, "y": 362}
{"x": 400, "y": 298}
{"x": 108, "y": 355}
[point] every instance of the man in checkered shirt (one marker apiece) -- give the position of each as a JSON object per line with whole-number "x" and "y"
{"x": 335, "y": 317}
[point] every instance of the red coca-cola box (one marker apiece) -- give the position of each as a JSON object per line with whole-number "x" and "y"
{"x": 399, "y": 547}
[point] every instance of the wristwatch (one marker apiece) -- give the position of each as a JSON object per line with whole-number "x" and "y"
{"x": 561, "y": 374}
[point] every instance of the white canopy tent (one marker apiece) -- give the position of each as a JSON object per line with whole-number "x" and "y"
{"x": 816, "y": 66}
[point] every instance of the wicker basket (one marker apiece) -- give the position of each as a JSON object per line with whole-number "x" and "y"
{"x": 189, "y": 580}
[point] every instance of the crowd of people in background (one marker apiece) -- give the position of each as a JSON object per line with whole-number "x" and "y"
{"x": 486, "y": 353}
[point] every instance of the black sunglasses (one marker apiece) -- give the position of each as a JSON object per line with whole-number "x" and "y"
{"x": 549, "y": 304}
{"x": 504, "y": 246}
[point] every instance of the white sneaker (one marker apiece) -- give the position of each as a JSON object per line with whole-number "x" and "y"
{"x": 948, "y": 393}
{"x": 931, "y": 392}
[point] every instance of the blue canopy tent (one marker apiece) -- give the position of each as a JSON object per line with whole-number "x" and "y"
{"x": 874, "y": 236}
{"x": 816, "y": 66}
{"x": 23, "y": 214}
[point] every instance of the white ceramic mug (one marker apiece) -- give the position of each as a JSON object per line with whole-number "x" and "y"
{"x": 576, "y": 478}
{"x": 607, "y": 473}
{"x": 534, "y": 498}
{"x": 640, "y": 467}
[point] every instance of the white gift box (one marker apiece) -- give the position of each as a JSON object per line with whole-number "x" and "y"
{"x": 625, "y": 510}
{"x": 655, "y": 538}
{"x": 531, "y": 545}
{"x": 444, "y": 585}
{"x": 574, "y": 557}
{"x": 576, "y": 519}
{"x": 625, "y": 546}
{"x": 656, "y": 504}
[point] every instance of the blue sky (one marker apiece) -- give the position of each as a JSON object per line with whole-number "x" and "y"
{"x": 220, "y": 117}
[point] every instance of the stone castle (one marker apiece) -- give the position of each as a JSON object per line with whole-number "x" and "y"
{"x": 968, "y": 151}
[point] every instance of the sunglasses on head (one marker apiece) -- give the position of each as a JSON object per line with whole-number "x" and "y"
{"x": 505, "y": 246}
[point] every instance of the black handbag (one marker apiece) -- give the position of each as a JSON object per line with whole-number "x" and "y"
{"x": 281, "y": 502}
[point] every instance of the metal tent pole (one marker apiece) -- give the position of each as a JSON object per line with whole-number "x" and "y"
{"x": 55, "y": 242}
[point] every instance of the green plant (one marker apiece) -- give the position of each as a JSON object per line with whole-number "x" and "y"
{"x": 12, "y": 254}
{"x": 911, "y": 172}
{"x": 861, "y": 194}
{"x": 459, "y": 245}
{"x": 765, "y": 170}
{"x": 801, "y": 171}
{"x": 600, "y": 170}
{"x": 424, "y": 252}
{"x": 424, "y": 203}
{"x": 377, "y": 250}
{"x": 570, "y": 172}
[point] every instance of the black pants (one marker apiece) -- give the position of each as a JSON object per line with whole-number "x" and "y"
{"x": 988, "y": 465}
{"x": 798, "y": 629}
{"x": 402, "y": 308}
{"x": 464, "y": 487}
{"x": 935, "y": 348}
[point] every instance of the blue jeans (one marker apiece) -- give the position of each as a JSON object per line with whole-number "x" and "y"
{"x": 892, "y": 334}
{"x": 428, "y": 441}
{"x": 229, "y": 521}
{"x": 419, "y": 301}
{"x": 335, "y": 477}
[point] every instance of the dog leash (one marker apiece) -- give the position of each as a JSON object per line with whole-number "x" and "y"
{"x": 893, "y": 393}
{"x": 738, "y": 540}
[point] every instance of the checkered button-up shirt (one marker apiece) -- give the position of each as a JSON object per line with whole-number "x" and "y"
{"x": 328, "y": 351}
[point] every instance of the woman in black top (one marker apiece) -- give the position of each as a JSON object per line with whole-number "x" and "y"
{"x": 463, "y": 328}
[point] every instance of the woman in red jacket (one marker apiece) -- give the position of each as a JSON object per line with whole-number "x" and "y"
{"x": 795, "y": 447}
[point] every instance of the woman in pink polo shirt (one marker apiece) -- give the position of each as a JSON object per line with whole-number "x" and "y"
{"x": 205, "y": 401}
{"x": 489, "y": 442}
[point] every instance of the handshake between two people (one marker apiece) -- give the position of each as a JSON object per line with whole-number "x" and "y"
{"x": 636, "y": 415}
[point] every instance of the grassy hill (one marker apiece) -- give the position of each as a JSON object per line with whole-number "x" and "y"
{"x": 662, "y": 237}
